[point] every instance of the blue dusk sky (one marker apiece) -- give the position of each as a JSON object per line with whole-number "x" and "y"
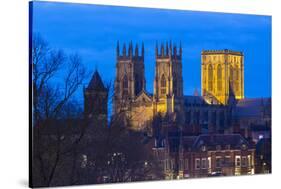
{"x": 93, "y": 31}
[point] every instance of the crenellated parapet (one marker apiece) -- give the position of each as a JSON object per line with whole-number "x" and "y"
{"x": 224, "y": 51}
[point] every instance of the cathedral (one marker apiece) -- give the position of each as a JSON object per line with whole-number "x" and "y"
{"x": 219, "y": 108}
{"x": 222, "y": 83}
{"x": 219, "y": 121}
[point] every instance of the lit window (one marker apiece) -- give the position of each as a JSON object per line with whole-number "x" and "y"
{"x": 219, "y": 78}
{"x": 210, "y": 78}
{"x": 249, "y": 161}
{"x": 84, "y": 161}
{"x": 209, "y": 163}
{"x": 237, "y": 161}
{"x": 197, "y": 163}
{"x": 231, "y": 73}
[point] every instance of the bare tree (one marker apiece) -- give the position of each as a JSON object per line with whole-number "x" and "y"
{"x": 55, "y": 79}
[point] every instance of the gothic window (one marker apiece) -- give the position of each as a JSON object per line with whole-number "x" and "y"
{"x": 210, "y": 78}
{"x": 232, "y": 77}
{"x": 237, "y": 73}
{"x": 138, "y": 84}
{"x": 219, "y": 75}
{"x": 163, "y": 85}
{"x": 231, "y": 73}
{"x": 125, "y": 86}
{"x": 175, "y": 87}
{"x": 237, "y": 78}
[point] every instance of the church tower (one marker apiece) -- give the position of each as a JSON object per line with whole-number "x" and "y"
{"x": 130, "y": 79}
{"x": 168, "y": 82}
{"x": 95, "y": 101}
{"x": 222, "y": 73}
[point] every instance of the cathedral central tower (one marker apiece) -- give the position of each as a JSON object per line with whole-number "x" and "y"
{"x": 222, "y": 75}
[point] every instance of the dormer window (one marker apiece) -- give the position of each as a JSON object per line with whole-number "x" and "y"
{"x": 244, "y": 146}
{"x": 203, "y": 148}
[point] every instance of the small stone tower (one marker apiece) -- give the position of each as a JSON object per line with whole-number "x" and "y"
{"x": 95, "y": 101}
{"x": 130, "y": 79}
{"x": 168, "y": 82}
{"x": 222, "y": 71}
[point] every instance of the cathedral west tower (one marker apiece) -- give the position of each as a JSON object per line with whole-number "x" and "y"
{"x": 168, "y": 82}
{"x": 130, "y": 79}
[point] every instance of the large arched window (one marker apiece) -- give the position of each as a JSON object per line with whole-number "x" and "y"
{"x": 138, "y": 84}
{"x": 237, "y": 75}
{"x": 175, "y": 86}
{"x": 210, "y": 78}
{"x": 231, "y": 74}
{"x": 125, "y": 86}
{"x": 232, "y": 77}
{"x": 219, "y": 77}
{"x": 163, "y": 85}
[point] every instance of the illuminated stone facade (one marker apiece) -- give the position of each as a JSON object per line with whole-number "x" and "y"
{"x": 222, "y": 72}
{"x": 130, "y": 95}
